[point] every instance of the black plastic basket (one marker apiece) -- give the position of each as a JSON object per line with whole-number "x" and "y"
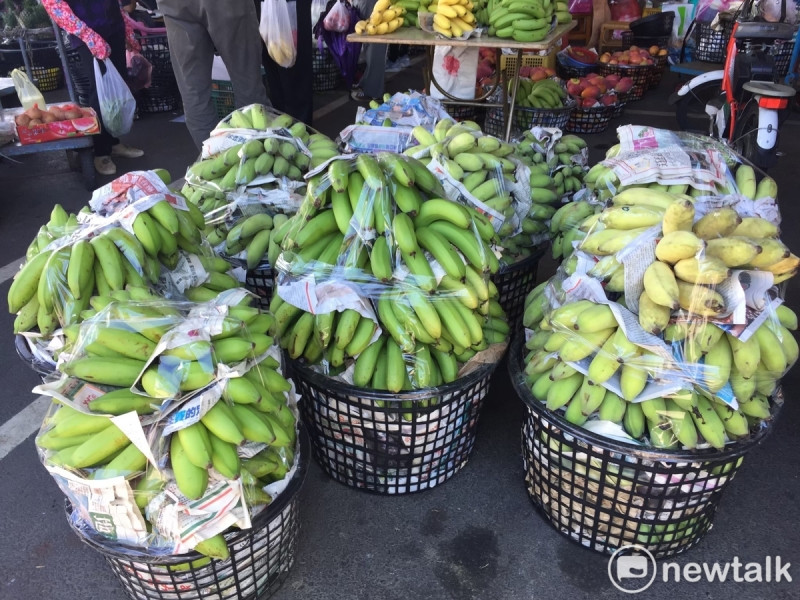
{"x": 711, "y": 45}
{"x": 605, "y": 494}
{"x": 462, "y": 112}
{"x": 525, "y": 117}
{"x": 36, "y": 364}
{"x": 640, "y": 74}
{"x": 783, "y": 56}
{"x": 592, "y": 120}
{"x": 569, "y": 71}
{"x": 388, "y": 443}
{"x": 260, "y": 560}
{"x": 326, "y": 73}
{"x": 514, "y": 281}
{"x": 41, "y": 54}
{"x": 163, "y": 94}
{"x": 82, "y": 84}
{"x": 260, "y": 281}
{"x": 494, "y": 122}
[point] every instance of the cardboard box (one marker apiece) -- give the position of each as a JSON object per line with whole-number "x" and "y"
{"x": 87, "y": 124}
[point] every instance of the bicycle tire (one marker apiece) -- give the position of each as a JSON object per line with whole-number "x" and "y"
{"x": 745, "y": 140}
{"x": 691, "y": 107}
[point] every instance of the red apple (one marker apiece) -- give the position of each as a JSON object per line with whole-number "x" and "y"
{"x": 608, "y": 99}
{"x": 611, "y": 80}
{"x": 588, "y": 102}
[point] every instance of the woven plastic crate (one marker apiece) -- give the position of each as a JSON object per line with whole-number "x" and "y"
{"x": 508, "y": 62}
{"x": 495, "y": 123}
{"x": 711, "y": 45}
{"x": 47, "y": 79}
{"x": 163, "y": 94}
{"x": 388, "y": 443}
{"x": 569, "y": 71}
{"x": 783, "y": 56}
{"x": 260, "y": 560}
{"x": 640, "y": 74}
{"x": 592, "y": 120}
{"x": 222, "y": 97}
{"x": 605, "y": 494}
{"x": 514, "y": 281}
{"x": 326, "y": 73}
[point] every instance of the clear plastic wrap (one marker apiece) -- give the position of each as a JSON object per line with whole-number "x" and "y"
{"x": 373, "y": 250}
{"x": 689, "y": 281}
{"x": 198, "y": 390}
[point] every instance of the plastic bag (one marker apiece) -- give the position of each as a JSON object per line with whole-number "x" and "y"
{"x": 139, "y": 71}
{"x": 338, "y": 19}
{"x": 117, "y": 104}
{"x": 276, "y": 31}
{"x": 580, "y": 7}
{"x": 28, "y": 94}
{"x": 455, "y": 70}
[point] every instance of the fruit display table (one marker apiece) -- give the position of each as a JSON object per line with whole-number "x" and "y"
{"x": 417, "y": 37}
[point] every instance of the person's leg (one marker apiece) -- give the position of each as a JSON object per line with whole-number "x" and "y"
{"x": 84, "y": 69}
{"x": 233, "y": 27}
{"x": 192, "y": 54}
{"x": 372, "y": 83}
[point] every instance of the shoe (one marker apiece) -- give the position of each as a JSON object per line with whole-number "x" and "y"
{"x": 359, "y": 96}
{"x": 126, "y": 151}
{"x": 393, "y": 66}
{"x": 104, "y": 165}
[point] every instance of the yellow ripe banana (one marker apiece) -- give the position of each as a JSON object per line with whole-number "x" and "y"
{"x": 631, "y": 217}
{"x": 707, "y": 269}
{"x": 756, "y": 227}
{"x": 733, "y": 251}
{"x": 653, "y": 317}
{"x": 660, "y": 285}
{"x": 772, "y": 252}
{"x": 447, "y": 11}
{"x": 596, "y": 318}
{"x": 700, "y": 299}
{"x": 719, "y": 222}
{"x": 678, "y": 216}
{"x": 643, "y": 196}
{"x": 677, "y": 245}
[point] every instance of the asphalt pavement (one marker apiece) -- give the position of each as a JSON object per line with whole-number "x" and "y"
{"x": 477, "y": 536}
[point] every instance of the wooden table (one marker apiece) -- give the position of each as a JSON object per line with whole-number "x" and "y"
{"x": 413, "y": 36}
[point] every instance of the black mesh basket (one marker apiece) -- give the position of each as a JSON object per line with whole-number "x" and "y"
{"x": 82, "y": 84}
{"x": 389, "y": 443}
{"x": 569, "y": 71}
{"x": 259, "y": 563}
{"x": 163, "y": 94}
{"x": 592, "y": 120}
{"x": 326, "y": 73}
{"x": 495, "y": 122}
{"x": 525, "y": 118}
{"x": 605, "y": 494}
{"x": 640, "y": 74}
{"x": 783, "y": 56}
{"x": 514, "y": 281}
{"x": 39, "y": 366}
{"x": 462, "y": 112}
{"x": 260, "y": 281}
{"x": 711, "y": 45}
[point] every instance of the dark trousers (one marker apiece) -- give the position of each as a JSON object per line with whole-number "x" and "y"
{"x": 291, "y": 90}
{"x": 84, "y": 71}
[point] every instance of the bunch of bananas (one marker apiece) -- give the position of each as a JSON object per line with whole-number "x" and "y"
{"x": 54, "y": 286}
{"x": 252, "y": 236}
{"x": 60, "y": 224}
{"x": 567, "y": 226}
{"x": 386, "y": 17}
{"x": 384, "y": 198}
{"x": 545, "y": 93}
{"x": 241, "y": 164}
{"x": 480, "y": 9}
{"x": 617, "y": 372}
{"x": 410, "y": 8}
{"x": 521, "y": 20}
{"x": 565, "y": 164}
{"x": 452, "y": 18}
{"x": 603, "y": 181}
{"x": 214, "y": 439}
{"x": 80, "y": 441}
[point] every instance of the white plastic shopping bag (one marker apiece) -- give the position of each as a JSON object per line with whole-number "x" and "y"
{"x": 117, "y": 105}
{"x": 276, "y": 31}
{"x": 455, "y": 70}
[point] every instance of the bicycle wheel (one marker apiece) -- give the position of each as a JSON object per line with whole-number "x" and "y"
{"x": 745, "y": 140}
{"x": 690, "y": 110}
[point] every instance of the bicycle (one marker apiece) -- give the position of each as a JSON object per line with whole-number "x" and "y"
{"x": 744, "y": 102}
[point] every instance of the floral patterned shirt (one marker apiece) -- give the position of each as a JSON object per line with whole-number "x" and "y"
{"x": 93, "y": 18}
